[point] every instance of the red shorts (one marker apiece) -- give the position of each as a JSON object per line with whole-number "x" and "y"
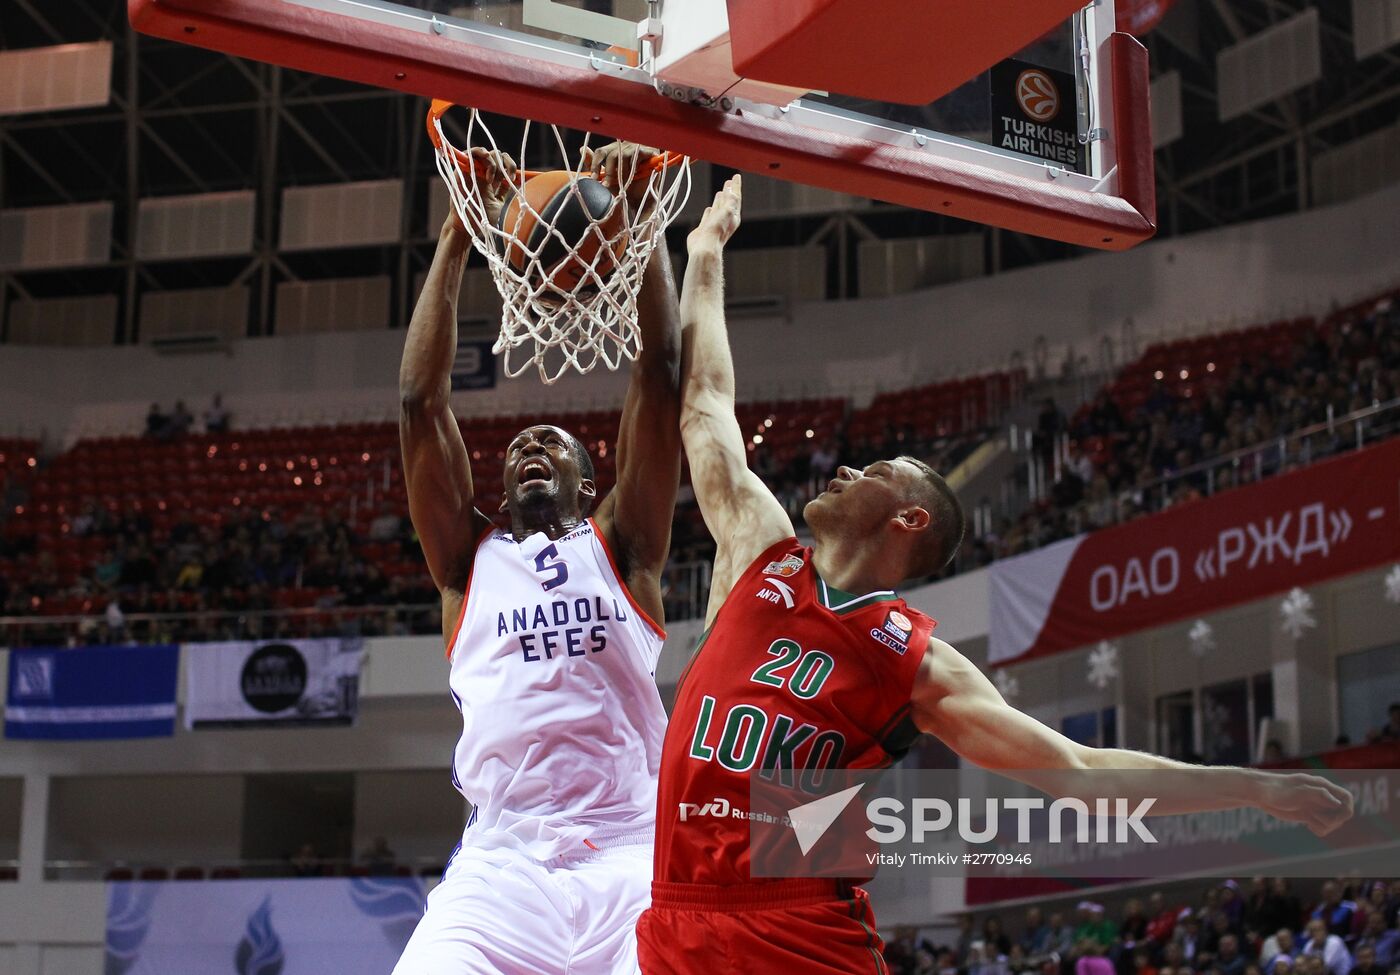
{"x": 811, "y": 927}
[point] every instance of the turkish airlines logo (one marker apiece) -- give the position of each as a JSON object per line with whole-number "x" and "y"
{"x": 1038, "y": 95}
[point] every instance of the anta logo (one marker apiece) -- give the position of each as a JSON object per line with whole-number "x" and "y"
{"x": 787, "y": 568}
{"x": 895, "y": 633}
{"x": 1039, "y": 97}
{"x": 775, "y": 591}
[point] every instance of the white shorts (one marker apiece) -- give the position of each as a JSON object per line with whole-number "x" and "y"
{"x": 498, "y": 911}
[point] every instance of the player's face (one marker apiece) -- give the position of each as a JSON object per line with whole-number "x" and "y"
{"x": 542, "y": 468}
{"x": 861, "y": 499}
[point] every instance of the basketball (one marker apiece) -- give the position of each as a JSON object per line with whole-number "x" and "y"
{"x": 563, "y": 220}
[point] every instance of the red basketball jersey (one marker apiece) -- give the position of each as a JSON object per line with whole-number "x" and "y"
{"x": 791, "y": 675}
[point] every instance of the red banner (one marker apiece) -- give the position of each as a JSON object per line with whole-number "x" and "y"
{"x": 1333, "y": 518}
{"x": 1138, "y": 17}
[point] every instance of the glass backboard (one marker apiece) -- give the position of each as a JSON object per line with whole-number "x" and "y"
{"x": 1070, "y": 158}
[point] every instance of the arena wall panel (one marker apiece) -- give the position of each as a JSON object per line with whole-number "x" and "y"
{"x": 336, "y": 305}
{"x": 794, "y": 273}
{"x": 1166, "y": 109}
{"x": 70, "y": 235}
{"x": 767, "y": 197}
{"x": 1357, "y": 168}
{"x": 80, "y": 320}
{"x": 1269, "y": 65}
{"x": 341, "y": 215}
{"x": 890, "y": 267}
{"x": 202, "y": 225}
{"x": 197, "y": 312}
{"x": 64, "y": 76}
{"x": 1375, "y": 26}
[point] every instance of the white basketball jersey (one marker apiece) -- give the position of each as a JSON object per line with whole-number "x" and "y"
{"x": 553, "y": 670}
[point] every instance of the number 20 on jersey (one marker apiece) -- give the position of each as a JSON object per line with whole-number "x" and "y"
{"x": 778, "y": 744}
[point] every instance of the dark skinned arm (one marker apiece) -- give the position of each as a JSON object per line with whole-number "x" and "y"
{"x": 636, "y": 515}
{"x": 437, "y": 471}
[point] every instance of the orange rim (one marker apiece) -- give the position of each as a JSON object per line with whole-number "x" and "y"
{"x": 440, "y": 106}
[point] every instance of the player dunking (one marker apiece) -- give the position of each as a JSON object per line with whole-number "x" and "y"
{"x": 811, "y": 660}
{"x": 553, "y": 632}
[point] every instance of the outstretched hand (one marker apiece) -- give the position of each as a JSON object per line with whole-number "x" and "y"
{"x": 1311, "y": 800}
{"x": 721, "y": 218}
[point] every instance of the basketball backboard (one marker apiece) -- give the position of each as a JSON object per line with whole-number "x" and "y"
{"x": 661, "y": 72}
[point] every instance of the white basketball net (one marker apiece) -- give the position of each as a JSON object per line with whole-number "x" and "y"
{"x": 551, "y": 328}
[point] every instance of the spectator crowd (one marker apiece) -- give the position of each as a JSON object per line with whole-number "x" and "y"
{"x": 1349, "y": 927}
{"x": 227, "y": 581}
{"x": 1184, "y": 439}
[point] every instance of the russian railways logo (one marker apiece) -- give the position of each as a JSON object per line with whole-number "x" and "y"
{"x": 1038, "y": 95}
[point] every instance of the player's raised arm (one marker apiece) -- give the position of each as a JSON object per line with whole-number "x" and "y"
{"x": 436, "y": 468}
{"x": 636, "y": 515}
{"x": 739, "y": 510}
{"x": 956, "y": 702}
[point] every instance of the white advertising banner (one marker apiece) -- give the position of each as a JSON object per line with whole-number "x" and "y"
{"x": 280, "y": 682}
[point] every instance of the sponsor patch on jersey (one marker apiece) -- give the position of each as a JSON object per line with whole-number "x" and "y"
{"x": 898, "y": 646}
{"x": 785, "y": 568}
{"x": 585, "y": 529}
{"x": 776, "y": 590}
{"x": 898, "y": 625}
{"x": 895, "y": 633}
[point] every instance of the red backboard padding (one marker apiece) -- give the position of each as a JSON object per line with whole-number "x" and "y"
{"x": 906, "y": 51}
{"x": 295, "y": 36}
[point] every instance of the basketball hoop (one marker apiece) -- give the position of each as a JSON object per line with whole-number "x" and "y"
{"x": 557, "y": 328}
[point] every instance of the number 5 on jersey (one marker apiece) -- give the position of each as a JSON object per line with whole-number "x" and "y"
{"x": 559, "y": 569}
